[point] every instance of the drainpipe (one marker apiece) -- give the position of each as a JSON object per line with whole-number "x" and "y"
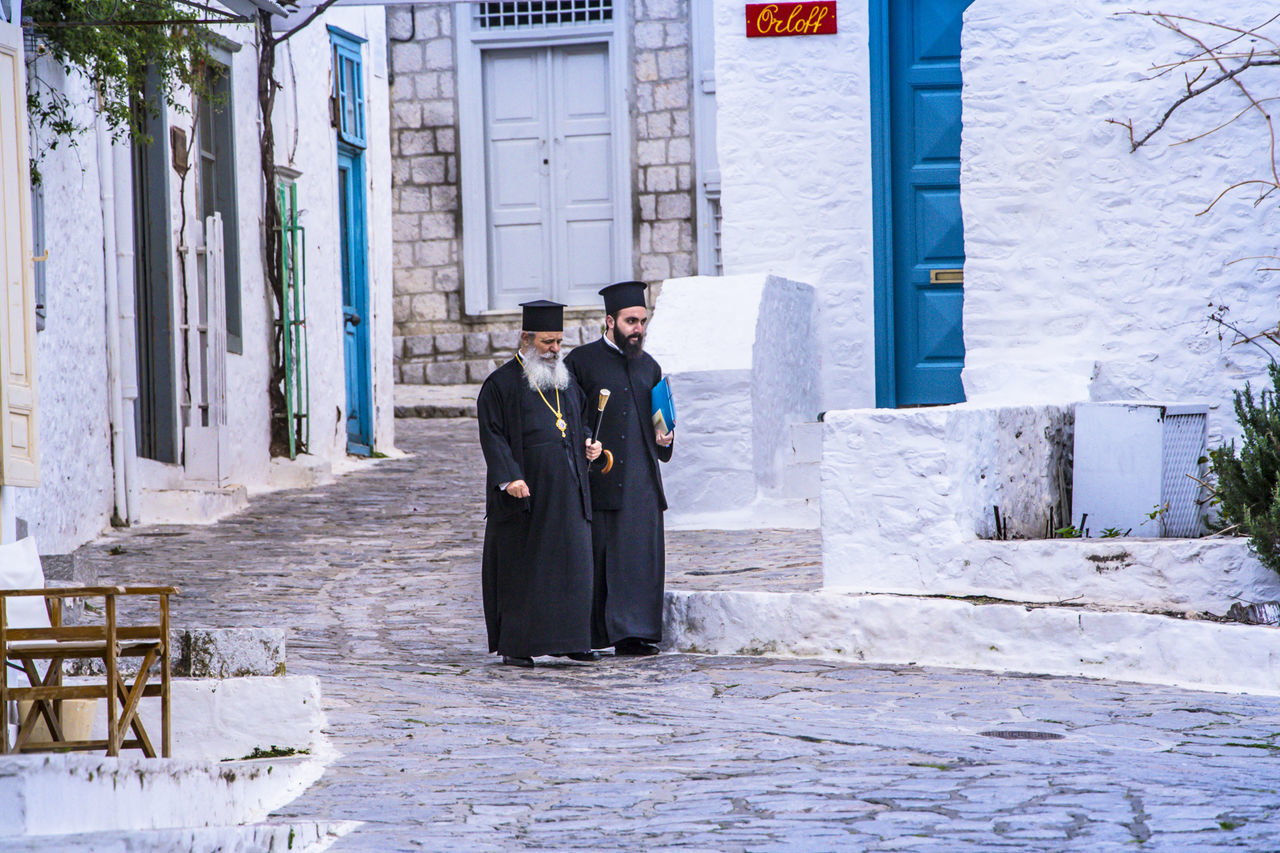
{"x": 106, "y": 190}
{"x": 128, "y": 326}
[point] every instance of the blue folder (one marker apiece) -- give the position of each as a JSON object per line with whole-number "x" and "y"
{"x": 664, "y": 408}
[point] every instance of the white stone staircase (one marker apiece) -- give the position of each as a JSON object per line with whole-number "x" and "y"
{"x": 209, "y": 797}
{"x": 908, "y": 580}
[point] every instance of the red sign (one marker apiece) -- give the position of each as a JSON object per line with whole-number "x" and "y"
{"x": 791, "y": 19}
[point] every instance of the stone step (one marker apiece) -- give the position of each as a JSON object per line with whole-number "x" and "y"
{"x": 191, "y": 506}
{"x": 207, "y": 653}
{"x": 210, "y": 781}
{"x": 981, "y": 634}
{"x": 436, "y": 401}
{"x": 298, "y": 836}
{"x": 1199, "y": 575}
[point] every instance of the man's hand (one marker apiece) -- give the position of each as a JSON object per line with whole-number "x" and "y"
{"x": 664, "y": 439}
{"x": 518, "y": 489}
{"x": 594, "y": 448}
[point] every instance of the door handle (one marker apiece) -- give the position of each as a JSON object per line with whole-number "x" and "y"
{"x": 352, "y": 317}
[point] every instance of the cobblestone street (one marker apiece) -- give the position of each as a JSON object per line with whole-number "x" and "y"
{"x": 377, "y": 578}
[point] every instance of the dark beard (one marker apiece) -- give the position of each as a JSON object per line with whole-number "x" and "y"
{"x": 629, "y": 348}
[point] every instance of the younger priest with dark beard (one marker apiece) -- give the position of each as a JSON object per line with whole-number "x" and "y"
{"x": 537, "y": 564}
{"x": 628, "y": 502}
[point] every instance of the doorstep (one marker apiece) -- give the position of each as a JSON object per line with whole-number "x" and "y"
{"x": 983, "y": 634}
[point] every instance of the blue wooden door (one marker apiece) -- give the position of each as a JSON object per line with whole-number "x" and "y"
{"x": 355, "y": 300}
{"x": 920, "y": 231}
{"x": 348, "y": 92}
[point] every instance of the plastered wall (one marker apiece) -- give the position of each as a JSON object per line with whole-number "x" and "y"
{"x": 1089, "y": 273}
{"x": 75, "y": 500}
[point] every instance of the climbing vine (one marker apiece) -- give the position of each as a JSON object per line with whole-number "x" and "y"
{"x": 115, "y": 45}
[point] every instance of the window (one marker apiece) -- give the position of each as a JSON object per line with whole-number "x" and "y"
{"x": 541, "y": 13}
{"x": 216, "y": 139}
{"x": 156, "y": 411}
{"x": 348, "y": 94}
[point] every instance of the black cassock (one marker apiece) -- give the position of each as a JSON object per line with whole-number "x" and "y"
{"x": 537, "y": 564}
{"x": 628, "y": 502}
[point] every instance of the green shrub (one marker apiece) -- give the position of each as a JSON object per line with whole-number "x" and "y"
{"x": 1248, "y": 487}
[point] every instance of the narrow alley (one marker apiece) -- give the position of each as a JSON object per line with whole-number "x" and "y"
{"x": 377, "y": 578}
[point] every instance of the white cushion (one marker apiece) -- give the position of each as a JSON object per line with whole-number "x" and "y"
{"x": 20, "y": 569}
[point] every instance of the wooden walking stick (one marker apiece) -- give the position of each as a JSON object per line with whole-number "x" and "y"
{"x": 604, "y": 401}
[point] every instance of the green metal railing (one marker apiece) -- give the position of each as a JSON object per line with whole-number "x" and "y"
{"x": 293, "y": 267}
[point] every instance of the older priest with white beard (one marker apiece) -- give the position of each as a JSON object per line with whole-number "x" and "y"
{"x": 537, "y": 563}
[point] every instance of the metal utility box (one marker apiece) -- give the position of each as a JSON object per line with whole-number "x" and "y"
{"x": 1132, "y": 460}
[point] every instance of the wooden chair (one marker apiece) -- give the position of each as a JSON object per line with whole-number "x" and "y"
{"x": 26, "y": 640}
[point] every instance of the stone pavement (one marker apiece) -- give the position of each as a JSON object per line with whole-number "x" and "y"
{"x": 443, "y": 749}
{"x": 436, "y": 401}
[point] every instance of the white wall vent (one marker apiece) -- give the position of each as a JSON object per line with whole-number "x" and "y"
{"x": 1134, "y": 468}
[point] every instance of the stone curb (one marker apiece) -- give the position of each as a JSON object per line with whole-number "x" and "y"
{"x": 427, "y": 410}
{"x": 964, "y": 634}
{"x": 210, "y": 653}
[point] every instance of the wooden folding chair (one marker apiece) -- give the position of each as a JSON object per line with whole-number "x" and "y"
{"x": 26, "y": 645}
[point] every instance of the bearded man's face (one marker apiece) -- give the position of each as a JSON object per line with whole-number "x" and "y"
{"x": 627, "y": 329}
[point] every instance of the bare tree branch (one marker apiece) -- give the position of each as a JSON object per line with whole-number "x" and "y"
{"x": 315, "y": 13}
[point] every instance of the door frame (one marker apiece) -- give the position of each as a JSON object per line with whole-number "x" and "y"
{"x": 350, "y": 145}
{"x": 362, "y": 444}
{"x": 882, "y": 205}
{"x": 471, "y": 148}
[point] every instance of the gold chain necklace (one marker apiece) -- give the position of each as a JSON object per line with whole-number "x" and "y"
{"x": 555, "y": 410}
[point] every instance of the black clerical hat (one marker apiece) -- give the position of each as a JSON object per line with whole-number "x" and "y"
{"x": 542, "y": 316}
{"x": 624, "y": 294}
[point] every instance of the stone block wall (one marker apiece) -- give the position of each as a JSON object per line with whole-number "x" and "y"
{"x": 662, "y": 113}
{"x": 436, "y": 342}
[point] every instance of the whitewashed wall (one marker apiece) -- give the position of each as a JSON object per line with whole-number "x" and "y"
{"x": 794, "y": 141}
{"x": 75, "y": 499}
{"x": 740, "y": 384}
{"x": 305, "y": 141}
{"x": 1089, "y": 273}
{"x": 248, "y": 414}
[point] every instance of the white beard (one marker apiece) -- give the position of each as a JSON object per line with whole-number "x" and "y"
{"x": 543, "y": 373}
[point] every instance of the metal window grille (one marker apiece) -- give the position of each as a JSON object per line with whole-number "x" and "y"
{"x": 540, "y": 13}
{"x": 713, "y": 202}
{"x": 40, "y": 254}
{"x": 1185, "y": 436}
{"x": 293, "y": 266}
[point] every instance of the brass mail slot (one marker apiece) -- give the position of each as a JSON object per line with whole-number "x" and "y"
{"x": 946, "y": 276}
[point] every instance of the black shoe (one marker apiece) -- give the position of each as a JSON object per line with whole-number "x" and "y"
{"x": 510, "y": 660}
{"x": 588, "y": 656}
{"x": 631, "y": 647}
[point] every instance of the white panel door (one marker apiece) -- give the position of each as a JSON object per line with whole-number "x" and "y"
{"x": 549, "y": 174}
{"x": 19, "y": 457}
{"x": 583, "y": 156}
{"x": 517, "y": 168}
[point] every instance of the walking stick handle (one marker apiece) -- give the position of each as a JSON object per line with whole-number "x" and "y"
{"x": 601, "y": 402}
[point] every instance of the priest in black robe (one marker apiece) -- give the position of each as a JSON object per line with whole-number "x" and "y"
{"x": 627, "y": 503}
{"x": 537, "y": 563}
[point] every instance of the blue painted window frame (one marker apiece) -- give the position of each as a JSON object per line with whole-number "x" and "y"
{"x": 348, "y": 89}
